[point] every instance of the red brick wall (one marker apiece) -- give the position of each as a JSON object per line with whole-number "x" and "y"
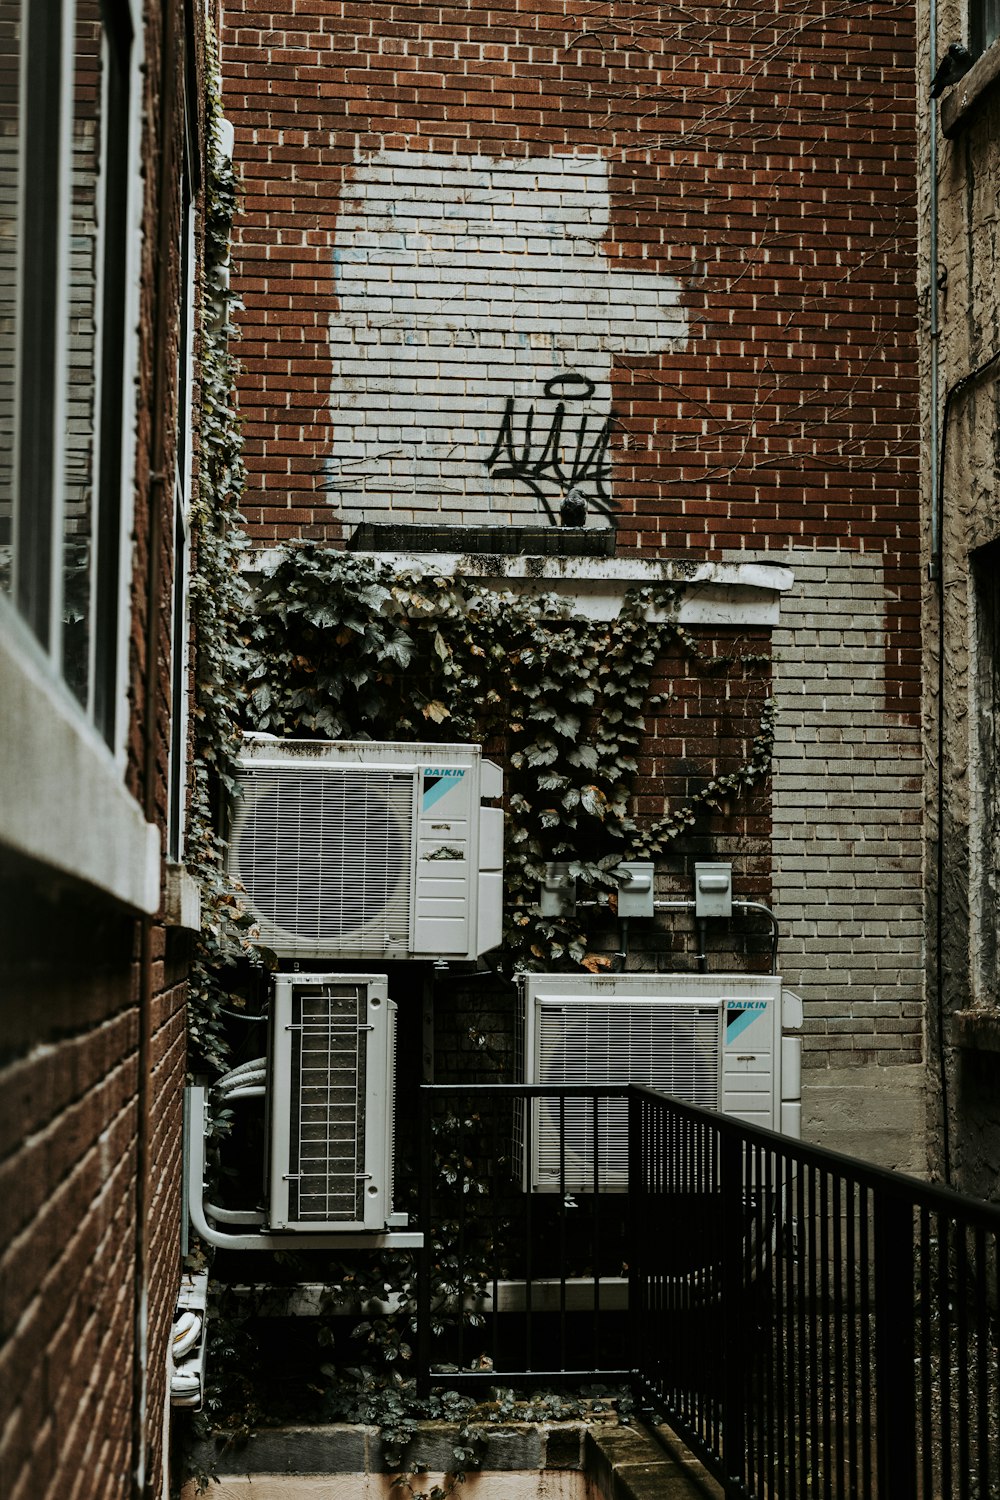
{"x": 92, "y": 1032}
{"x": 68, "y": 1129}
{"x": 765, "y": 159}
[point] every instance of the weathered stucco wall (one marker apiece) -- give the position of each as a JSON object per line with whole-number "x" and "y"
{"x": 961, "y": 643}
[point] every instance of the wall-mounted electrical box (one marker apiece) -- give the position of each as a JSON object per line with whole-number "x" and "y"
{"x": 635, "y": 888}
{"x": 713, "y": 890}
{"x": 557, "y": 896}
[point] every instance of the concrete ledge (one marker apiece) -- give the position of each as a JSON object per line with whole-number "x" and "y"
{"x": 710, "y": 593}
{"x": 693, "y": 1467}
{"x": 626, "y": 1463}
{"x": 521, "y": 1458}
{"x": 961, "y": 103}
{"x": 978, "y": 1030}
{"x": 343, "y": 1448}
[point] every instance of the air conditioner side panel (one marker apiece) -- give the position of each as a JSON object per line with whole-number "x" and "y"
{"x": 378, "y": 1114}
{"x": 489, "y": 922}
{"x": 751, "y": 1059}
{"x": 447, "y": 860}
{"x": 279, "y": 1105}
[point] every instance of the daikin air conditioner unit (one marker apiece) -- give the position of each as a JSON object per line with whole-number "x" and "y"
{"x": 331, "y": 1074}
{"x": 714, "y": 1040}
{"x": 363, "y": 849}
{"x": 326, "y": 1087}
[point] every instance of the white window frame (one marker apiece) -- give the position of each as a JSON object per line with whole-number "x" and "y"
{"x": 63, "y": 801}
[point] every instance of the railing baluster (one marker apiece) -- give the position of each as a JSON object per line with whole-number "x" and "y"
{"x": 864, "y": 1290}
{"x": 815, "y": 1447}
{"x": 981, "y": 1323}
{"x": 925, "y": 1355}
{"x": 460, "y": 1253}
{"x": 563, "y": 1210}
{"x": 944, "y": 1293}
{"x": 823, "y": 1382}
{"x": 530, "y": 1112}
{"x": 836, "y": 1469}
{"x": 962, "y": 1358}
{"x": 853, "y": 1391}
{"x": 733, "y": 1308}
{"x": 426, "y": 1202}
{"x": 495, "y": 1157}
{"x": 782, "y": 1353}
{"x": 596, "y": 1229}
{"x": 894, "y": 1325}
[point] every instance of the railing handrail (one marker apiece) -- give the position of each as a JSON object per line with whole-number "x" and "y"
{"x": 854, "y": 1168}
{"x": 536, "y": 1090}
{"x": 864, "y": 1173}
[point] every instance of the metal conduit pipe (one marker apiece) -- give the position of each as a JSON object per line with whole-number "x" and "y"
{"x": 689, "y": 905}
{"x": 743, "y": 906}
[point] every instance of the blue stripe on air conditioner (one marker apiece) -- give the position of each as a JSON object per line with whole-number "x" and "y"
{"x": 738, "y": 1019}
{"x": 437, "y": 783}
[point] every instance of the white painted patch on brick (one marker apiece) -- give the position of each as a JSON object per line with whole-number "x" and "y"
{"x": 466, "y": 286}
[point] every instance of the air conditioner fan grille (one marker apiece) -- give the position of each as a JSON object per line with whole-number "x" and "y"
{"x": 676, "y": 1048}
{"x": 324, "y": 855}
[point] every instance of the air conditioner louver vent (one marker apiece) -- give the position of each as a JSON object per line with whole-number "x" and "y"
{"x": 325, "y": 855}
{"x": 675, "y": 1048}
{"x": 326, "y": 1156}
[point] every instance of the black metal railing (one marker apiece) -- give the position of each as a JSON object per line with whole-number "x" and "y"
{"x": 812, "y": 1325}
{"x": 525, "y": 1229}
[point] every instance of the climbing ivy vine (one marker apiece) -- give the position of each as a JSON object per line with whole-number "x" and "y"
{"x": 218, "y": 603}
{"x": 345, "y": 647}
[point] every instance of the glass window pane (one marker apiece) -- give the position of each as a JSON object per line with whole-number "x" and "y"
{"x": 984, "y": 25}
{"x": 10, "y": 58}
{"x": 38, "y": 311}
{"x": 110, "y": 365}
{"x": 81, "y": 382}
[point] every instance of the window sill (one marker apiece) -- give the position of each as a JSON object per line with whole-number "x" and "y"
{"x": 62, "y": 800}
{"x": 962, "y": 101}
{"x": 182, "y": 899}
{"x": 978, "y": 1030}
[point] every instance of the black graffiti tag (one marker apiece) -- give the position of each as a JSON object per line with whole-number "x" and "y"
{"x": 586, "y": 462}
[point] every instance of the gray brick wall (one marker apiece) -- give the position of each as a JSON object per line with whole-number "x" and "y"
{"x": 846, "y": 819}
